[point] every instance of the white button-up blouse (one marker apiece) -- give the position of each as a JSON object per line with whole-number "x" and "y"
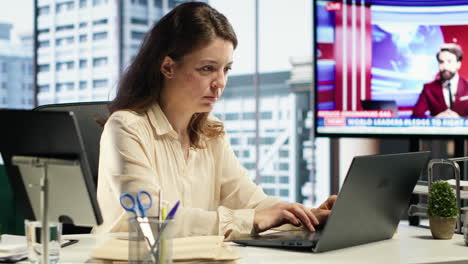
{"x": 142, "y": 152}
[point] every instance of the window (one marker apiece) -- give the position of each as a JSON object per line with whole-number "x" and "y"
{"x": 65, "y": 6}
{"x": 100, "y": 36}
{"x": 248, "y": 116}
{"x": 83, "y": 85}
{"x": 284, "y": 192}
{"x": 67, "y": 65}
{"x": 267, "y": 140}
{"x": 267, "y": 179}
{"x": 43, "y": 10}
{"x": 249, "y": 165}
{"x": 284, "y": 179}
{"x": 232, "y": 116}
{"x": 99, "y": 62}
{"x": 263, "y": 141}
{"x": 44, "y": 88}
{"x": 284, "y": 153}
{"x": 83, "y": 64}
{"x": 64, "y": 27}
{"x": 83, "y": 38}
{"x": 70, "y": 65}
{"x": 100, "y": 22}
{"x": 284, "y": 166}
{"x": 4, "y": 85}
{"x": 246, "y": 154}
{"x": 99, "y": 2}
{"x": 100, "y": 83}
{"x": 4, "y": 67}
{"x": 140, "y": 2}
{"x": 235, "y": 141}
{"x": 43, "y": 68}
{"x": 70, "y": 86}
{"x": 64, "y": 41}
{"x": 83, "y": 24}
{"x": 60, "y": 87}
{"x": 70, "y": 40}
{"x": 138, "y": 21}
{"x": 138, "y": 35}
{"x": 83, "y": 3}
{"x": 59, "y": 41}
{"x": 44, "y": 44}
{"x": 43, "y": 31}
{"x": 266, "y": 115}
{"x": 269, "y": 191}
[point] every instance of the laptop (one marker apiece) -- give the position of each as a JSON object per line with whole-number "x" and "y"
{"x": 374, "y": 195}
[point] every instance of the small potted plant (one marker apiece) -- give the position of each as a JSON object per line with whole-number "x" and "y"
{"x": 443, "y": 210}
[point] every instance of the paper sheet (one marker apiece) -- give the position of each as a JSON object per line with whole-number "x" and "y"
{"x": 184, "y": 249}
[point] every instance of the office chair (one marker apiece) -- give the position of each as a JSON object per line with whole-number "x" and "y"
{"x": 91, "y": 117}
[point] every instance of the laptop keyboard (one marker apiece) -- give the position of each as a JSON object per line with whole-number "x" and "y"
{"x": 291, "y": 236}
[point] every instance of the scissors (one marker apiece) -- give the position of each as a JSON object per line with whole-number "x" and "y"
{"x": 135, "y": 204}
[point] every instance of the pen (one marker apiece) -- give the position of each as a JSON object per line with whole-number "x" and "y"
{"x": 160, "y": 204}
{"x": 160, "y": 254}
{"x": 173, "y": 211}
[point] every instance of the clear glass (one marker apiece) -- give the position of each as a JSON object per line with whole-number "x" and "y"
{"x": 141, "y": 248}
{"x": 33, "y": 231}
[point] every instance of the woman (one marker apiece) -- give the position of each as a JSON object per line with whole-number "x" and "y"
{"x": 160, "y": 135}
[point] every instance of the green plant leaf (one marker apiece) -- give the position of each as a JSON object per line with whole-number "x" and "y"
{"x": 442, "y": 200}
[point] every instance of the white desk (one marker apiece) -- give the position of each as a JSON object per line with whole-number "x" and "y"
{"x": 410, "y": 245}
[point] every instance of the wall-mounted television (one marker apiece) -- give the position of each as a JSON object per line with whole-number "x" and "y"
{"x": 372, "y": 60}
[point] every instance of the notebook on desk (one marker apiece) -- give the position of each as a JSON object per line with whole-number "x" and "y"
{"x": 375, "y": 193}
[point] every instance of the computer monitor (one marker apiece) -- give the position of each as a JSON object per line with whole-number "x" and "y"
{"x": 28, "y": 137}
{"x": 380, "y": 50}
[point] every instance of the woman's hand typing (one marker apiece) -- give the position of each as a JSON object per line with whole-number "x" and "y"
{"x": 292, "y": 213}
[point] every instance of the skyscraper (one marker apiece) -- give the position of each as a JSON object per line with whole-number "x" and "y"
{"x": 282, "y": 130}
{"x": 84, "y": 45}
{"x": 16, "y": 82}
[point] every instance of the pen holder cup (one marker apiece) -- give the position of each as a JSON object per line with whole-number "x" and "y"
{"x": 150, "y": 240}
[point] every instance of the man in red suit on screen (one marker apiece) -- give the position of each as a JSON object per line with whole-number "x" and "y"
{"x": 447, "y": 95}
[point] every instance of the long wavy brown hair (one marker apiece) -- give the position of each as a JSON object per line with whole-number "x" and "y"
{"x": 188, "y": 27}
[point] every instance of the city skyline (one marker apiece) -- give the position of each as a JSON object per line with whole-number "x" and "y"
{"x": 289, "y": 28}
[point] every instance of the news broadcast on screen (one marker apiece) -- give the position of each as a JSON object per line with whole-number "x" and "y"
{"x": 390, "y": 70}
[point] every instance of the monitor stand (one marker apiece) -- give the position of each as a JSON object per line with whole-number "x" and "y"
{"x": 42, "y": 164}
{"x": 61, "y": 185}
